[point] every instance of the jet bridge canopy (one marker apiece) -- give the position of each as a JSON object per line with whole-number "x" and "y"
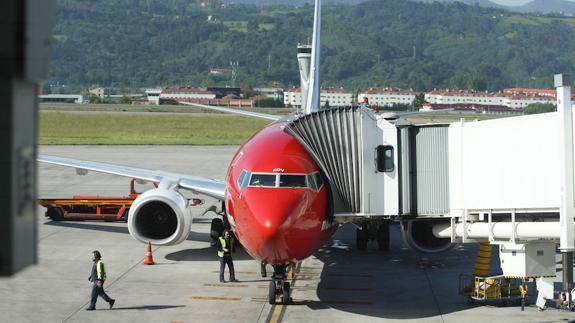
{"x": 375, "y": 166}
{"x": 333, "y": 139}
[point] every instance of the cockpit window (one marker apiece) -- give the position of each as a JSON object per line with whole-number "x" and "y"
{"x": 292, "y": 181}
{"x": 315, "y": 181}
{"x": 243, "y": 180}
{"x": 266, "y": 180}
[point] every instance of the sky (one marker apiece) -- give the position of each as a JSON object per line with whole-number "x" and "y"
{"x": 513, "y": 2}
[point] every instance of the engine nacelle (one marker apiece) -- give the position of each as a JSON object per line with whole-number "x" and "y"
{"x": 160, "y": 216}
{"x": 418, "y": 235}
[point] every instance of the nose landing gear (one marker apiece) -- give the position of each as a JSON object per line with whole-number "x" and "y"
{"x": 279, "y": 286}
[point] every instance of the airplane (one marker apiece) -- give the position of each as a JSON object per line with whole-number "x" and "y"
{"x": 275, "y": 197}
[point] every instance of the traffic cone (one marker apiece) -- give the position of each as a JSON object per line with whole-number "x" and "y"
{"x": 148, "y": 260}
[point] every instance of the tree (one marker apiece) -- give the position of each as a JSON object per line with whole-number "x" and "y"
{"x": 535, "y": 108}
{"x": 125, "y": 100}
{"x": 418, "y": 101}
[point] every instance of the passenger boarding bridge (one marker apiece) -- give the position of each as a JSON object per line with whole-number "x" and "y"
{"x": 501, "y": 181}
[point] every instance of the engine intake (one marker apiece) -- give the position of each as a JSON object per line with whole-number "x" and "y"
{"x": 418, "y": 235}
{"x": 160, "y": 216}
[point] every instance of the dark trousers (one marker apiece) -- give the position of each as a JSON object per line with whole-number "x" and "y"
{"x": 98, "y": 291}
{"x": 226, "y": 259}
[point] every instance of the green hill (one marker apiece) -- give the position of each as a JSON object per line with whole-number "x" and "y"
{"x": 137, "y": 43}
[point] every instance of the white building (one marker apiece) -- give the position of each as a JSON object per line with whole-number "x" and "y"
{"x": 522, "y": 101}
{"x": 336, "y": 96}
{"x": 190, "y": 94}
{"x": 77, "y": 98}
{"x": 464, "y": 96}
{"x": 98, "y": 91}
{"x": 387, "y": 96}
{"x": 505, "y": 98}
{"x": 270, "y": 92}
{"x": 154, "y": 96}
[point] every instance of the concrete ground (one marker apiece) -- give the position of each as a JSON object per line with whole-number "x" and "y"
{"x": 337, "y": 284}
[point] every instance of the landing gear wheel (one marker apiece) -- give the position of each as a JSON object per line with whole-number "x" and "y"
{"x": 383, "y": 236}
{"x": 216, "y": 230}
{"x": 55, "y": 213}
{"x": 362, "y": 237}
{"x": 272, "y": 293}
{"x": 285, "y": 293}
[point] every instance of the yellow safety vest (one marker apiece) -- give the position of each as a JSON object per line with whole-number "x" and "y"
{"x": 223, "y": 243}
{"x": 100, "y": 270}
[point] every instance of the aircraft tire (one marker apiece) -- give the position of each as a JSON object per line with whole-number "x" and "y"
{"x": 272, "y": 293}
{"x": 216, "y": 230}
{"x": 285, "y": 293}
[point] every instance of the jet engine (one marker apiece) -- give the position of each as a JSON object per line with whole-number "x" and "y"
{"x": 160, "y": 216}
{"x": 418, "y": 235}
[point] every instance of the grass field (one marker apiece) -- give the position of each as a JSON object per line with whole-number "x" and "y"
{"x": 60, "y": 128}
{"x": 146, "y": 108}
{"x": 167, "y": 125}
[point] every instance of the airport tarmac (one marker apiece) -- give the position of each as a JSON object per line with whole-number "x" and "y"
{"x": 337, "y": 284}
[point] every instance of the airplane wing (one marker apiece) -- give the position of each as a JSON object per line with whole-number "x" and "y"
{"x": 269, "y": 117}
{"x": 198, "y": 185}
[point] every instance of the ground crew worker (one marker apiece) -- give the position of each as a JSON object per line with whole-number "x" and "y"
{"x": 225, "y": 250}
{"x": 98, "y": 277}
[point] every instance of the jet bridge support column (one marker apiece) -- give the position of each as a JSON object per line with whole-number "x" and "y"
{"x": 567, "y": 209}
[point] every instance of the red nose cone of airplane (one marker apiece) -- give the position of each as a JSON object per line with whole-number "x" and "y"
{"x": 276, "y": 224}
{"x": 280, "y": 224}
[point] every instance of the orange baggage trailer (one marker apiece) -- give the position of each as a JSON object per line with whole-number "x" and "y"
{"x": 106, "y": 208}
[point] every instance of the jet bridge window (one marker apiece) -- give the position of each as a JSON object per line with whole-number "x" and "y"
{"x": 292, "y": 181}
{"x": 384, "y": 158}
{"x": 265, "y": 180}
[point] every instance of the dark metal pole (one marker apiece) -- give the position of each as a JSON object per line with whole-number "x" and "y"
{"x": 568, "y": 275}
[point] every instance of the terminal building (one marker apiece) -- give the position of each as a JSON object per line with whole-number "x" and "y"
{"x": 187, "y": 94}
{"x": 65, "y": 98}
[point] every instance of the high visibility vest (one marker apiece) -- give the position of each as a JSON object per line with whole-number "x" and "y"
{"x": 223, "y": 245}
{"x": 100, "y": 270}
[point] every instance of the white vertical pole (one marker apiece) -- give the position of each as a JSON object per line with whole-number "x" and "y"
{"x": 313, "y": 97}
{"x": 567, "y": 208}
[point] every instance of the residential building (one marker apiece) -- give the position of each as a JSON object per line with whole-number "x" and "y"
{"x": 387, "y": 96}
{"x": 336, "y": 96}
{"x": 98, "y": 91}
{"x": 471, "y": 108}
{"x": 511, "y": 98}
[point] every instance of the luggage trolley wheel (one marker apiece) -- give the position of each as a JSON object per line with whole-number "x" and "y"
{"x": 55, "y": 213}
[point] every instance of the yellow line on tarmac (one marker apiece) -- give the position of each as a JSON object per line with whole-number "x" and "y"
{"x": 279, "y": 309}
